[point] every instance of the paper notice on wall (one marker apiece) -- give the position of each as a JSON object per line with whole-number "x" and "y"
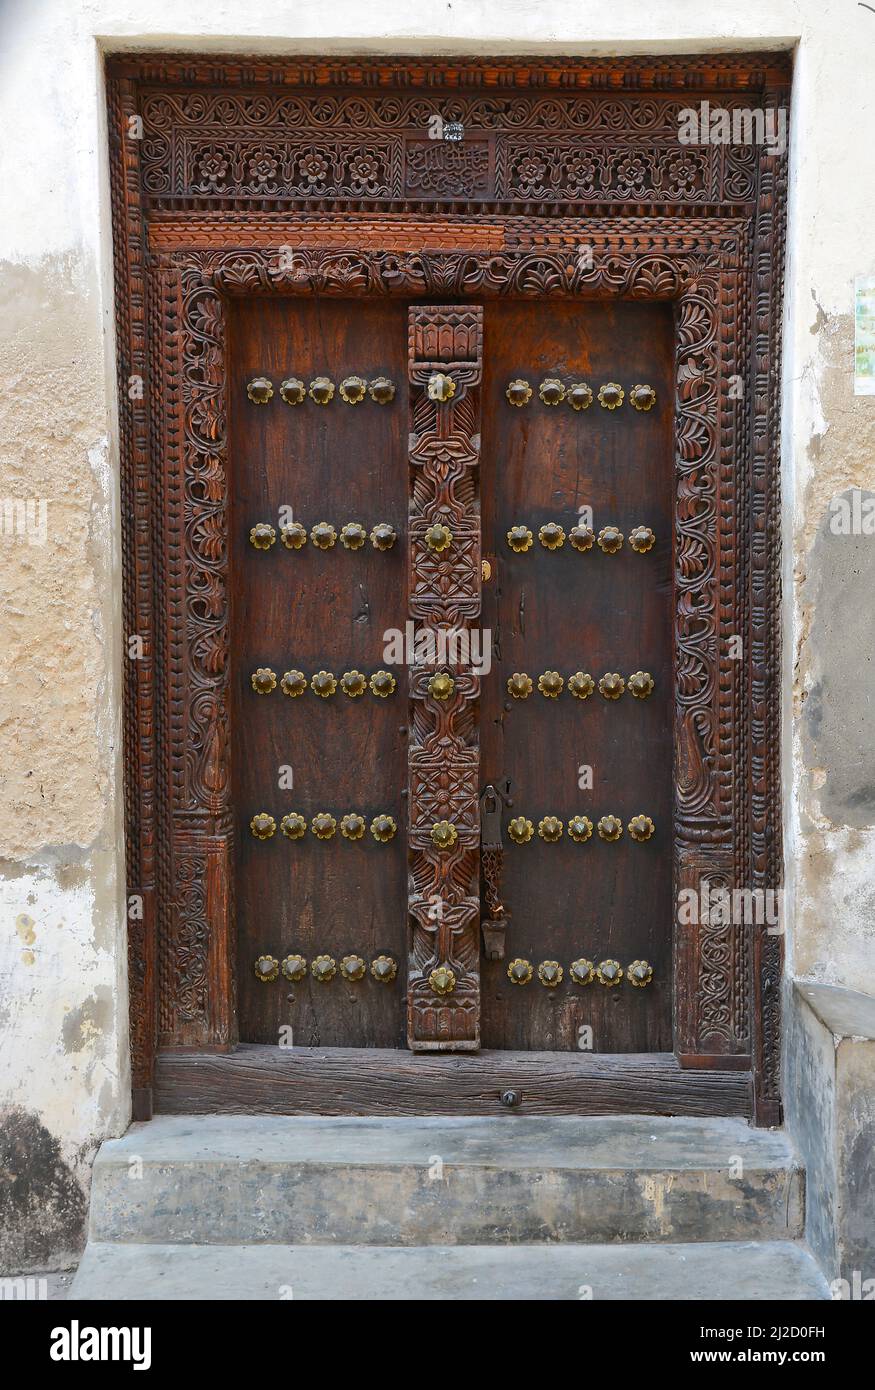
{"x": 864, "y": 335}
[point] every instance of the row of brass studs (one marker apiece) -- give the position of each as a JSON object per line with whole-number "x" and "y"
{"x": 323, "y": 826}
{"x": 353, "y": 390}
{"x": 324, "y": 968}
{"x": 581, "y": 685}
{"x": 583, "y": 972}
{"x": 578, "y": 394}
{"x": 552, "y": 537}
{"x": 324, "y": 683}
{"x": 580, "y": 829}
{"x": 323, "y": 535}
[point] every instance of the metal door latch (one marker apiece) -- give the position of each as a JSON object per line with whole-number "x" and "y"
{"x": 494, "y": 926}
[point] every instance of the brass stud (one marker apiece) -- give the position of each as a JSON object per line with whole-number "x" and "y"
{"x": 323, "y": 825}
{"x": 294, "y": 535}
{"x": 610, "y": 828}
{"x": 353, "y": 535}
{"x": 441, "y": 388}
{"x": 642, "y": 539}
{"x": 641, "y": 684}
{"x": 520, "y": 830}
{"x": 581, "y": 685}
{"x": 438, "y": 538}
{"x": 519, "y": 392}
{"x": 612, "y": 685}
{"x": 551, "y": 684}
{"x": 580, "y": 829}
{"x": 639, "y": 973}
{"x": 441, "y": 686}
{"x": 550, "y": 829}
{"x": 293, "y": 825}
{"x": 519, "y": 685}
{"x": 520, "y": 539}
{"x": 581, "y": 537}
{"x": 520, "y": 972}
{"x": 293, "y": 391}
{"x": 323, "y": 535}
{"x": 384, "y": 969}
{"x": 442, "y": 980}
{"x": 293, "y": 683}
{"x": 382, "y": 683}
{"x": 610, "y": 540}
{"x": 259, "y": 390}
{"x": 381, "y": 390}
{"x": 323, "y": 969}
{"x": 294, "y": 968}
{"x": 579, "y": 396}
{"x": 263, "y": 680}
{"x": 643, "y": 397}
{"x": 551, "y": 391}
{"x": 262, "y": 826}
{"x": 321, "y": 390}
{"x": 550, "y": 973}
{"x": 383, "y": 828}
{"x": 353, "y": 684}
{"x": 262, "y": 536}
{"x": 267, "y": 968}
{"x": 383, "y": 536}
{"x": 323, "y": 684}
{"x": 353, "y": 389}
{"x": 353, "y": 826}
{"x": 582, "y": 971}
{"x": 611, "y": 395}
{"x": 609, "y": 973}
{"x": 551, "y": 536}
{"x": 444, "y": 834}
{"x": 353, "y": 967}
{"x": 641, "y": 828}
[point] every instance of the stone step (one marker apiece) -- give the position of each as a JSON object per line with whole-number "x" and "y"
{"x": 288, "y": 1180}
{"x": 772, "y": 1270}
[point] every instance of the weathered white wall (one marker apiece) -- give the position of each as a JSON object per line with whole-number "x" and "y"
{"x": 63, "y": 1067}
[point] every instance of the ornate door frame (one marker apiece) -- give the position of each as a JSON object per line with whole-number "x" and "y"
{"x": 179, "y": 257}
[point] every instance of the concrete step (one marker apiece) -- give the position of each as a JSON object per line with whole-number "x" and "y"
{"x": 290, "y": 1180}
{"x": 772, "y": 1270}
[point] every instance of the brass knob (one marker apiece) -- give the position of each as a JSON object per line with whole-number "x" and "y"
{"x": 441, "y": 387}
{"x": 551, "y": 536}
{"x": 439, "y": 538}
{"x": 293, "y": 826}
{"x": 612, "y": 685}
{"x": 519, "y": 685}
{"x": 381, "y": 390}
{"x": 550, "y": 973}
{"x": 580, "y": 828}
{"x": 519, "y": 392}
{"x": 294, "y": 968}
{"x": 352, "y": 826}
{"x": 262, "y": 536}
{"x": 581, "y": 685}
{"x": 262, "y": 826}
{"x": 582, "y": 971}
{"x": 643, "y": 397}
{"x": 610, "y": 539}
{"x": 520, "y": 830}
{"x": 550, "y": 829}
{"x": 382, "y": 683}
{"x": 642, "y": 539}
{"x": 323, "y": 969}
{"x": 267, "y": 968}
{"x": 610, "y": 828}
{"x": 551, "y": 391}
{"x": 353, "y": 389}
{"x": 294, "y": 535}
{"x": 293, "y": 683}
{"x": 581, "y": 537}
{"x": 321, "y": 390}
{"x": 263, "y": 680}
{"x": 641, "y": 828}
{"x": 609, "y": 973}
{"x": 520, "y": 972}
{"x": 579, "y": 396}
{"x": 383, "y": 828}
{"x": 444, "y": 834}
{"x": 520, "y": 539}
{"x": 441, "y": 686}
{"x": 260, "y": 389}
{"x": 293, "y": 391}
{"x": 323, "y": 825}
{"x": 383, "y": 536}
{"x": 384, "y": 969}
{"x": 353, "y": 535}
{"x": 640, "y": 684}
{"x": 611, "y": 395}
{"x": 639, "y": 973}
{"x": 551, "y": 684}
{"x": 353, "y": 684}
{"x": 323, "y": 535}
{"x": 353, "y": 967}
{"x": 323, "y": 684}
{"x": 442, "y": 980}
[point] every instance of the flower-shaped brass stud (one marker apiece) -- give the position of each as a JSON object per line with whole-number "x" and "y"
{"x": 551, "y": 391}
{"x": 384, "y": 969}
{"x": 641, "y": 684}
{"x": 520, "y": 539}
{"x": 293, "y": 826}
{"x": 438, "y": 538}
{"x": 442, "y": 980}
{"x": 641, "y": 828}
{"x": 353, "y": 535}
{"x": 612, "y": 685}
{"x": 293, "y": 391}
{"x": 519, "y": 685}
{"x": 610, "y": 828}
{"x": 324, "y": 684}
{"x": 551, "y": 536}
{"x": 353, "y": 684}
{"x": 551, "y": 684}
{"x": 520, "y": 972}
{"x": 639, "y": 973}
{"x": 441, "y": 686}
{"x": 353, "y": 967}
{"x": 441, "y": 387}
{"x": 321, "y": 390}
{"x": 259, "y": 390}
{"x": 580, "y": 829}
{"x": 550, "y": 829}
{"x": 353, "y": 389}
{"x": 581, "y": 537}
{"x": 611, "y": 395}
{"x": 641, "y": 538}
{"x": 383, "y": 828}
{"x": 383, "y": 536}
{"x": 643, "y": 397}
{"x": 323, "y": 825}
{"x": 262, "y": 536}
{"x": 352, "y": 826}
{"x": 550, "y": 973}
{"x": 520, "y": 830}
{"x": 610, "y": 540}
{"x": 579, "y": 396}
{"x": 262, "y": 826}
{"x": 293, "y": 683}
{"x": 323, "y": 535}
{"x": 581, "y": 685}
{"x": 294, "y": 535}
{"x": 263, "y": 680}
{"x": 323, "y": 969}
{"x": 382, "y": 683}
{"x": 267, "y": 968}
{"x": 444, "y": 834}
{"x": 381, "y": 390}
{"x": 294, "y": 968}
{"x": 582, "y": 971}
{"x": 519, "y": 392}
{"x": 609, "y": 972}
